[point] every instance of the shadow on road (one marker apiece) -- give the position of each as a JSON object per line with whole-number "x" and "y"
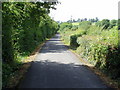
{"x": 48, "y": 74}
{"x": 53, "y": 48}
{"x": 57, "y": 67}
{"x": 54, "y": 45}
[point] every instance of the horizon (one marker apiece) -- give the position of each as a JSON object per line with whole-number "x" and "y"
{"x": 85, "y": 9}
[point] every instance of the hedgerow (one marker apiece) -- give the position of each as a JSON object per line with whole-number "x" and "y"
{"x": 98, "y": 44}
{"x": 25, "y": 25}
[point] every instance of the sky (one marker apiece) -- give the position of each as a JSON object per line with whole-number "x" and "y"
{"x": 103, "y": 9}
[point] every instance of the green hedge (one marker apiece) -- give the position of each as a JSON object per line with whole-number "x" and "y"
{"x": 98, "y": 44}
{"x": 24, "y": 26}
{"x": 104, "y": 56}
{"x": 73, "y": 40}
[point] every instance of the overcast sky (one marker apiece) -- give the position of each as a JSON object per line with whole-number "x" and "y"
{"x": 103, "y": 9}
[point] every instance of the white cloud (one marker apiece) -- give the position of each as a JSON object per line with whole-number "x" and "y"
{"x": 86, "y": 9}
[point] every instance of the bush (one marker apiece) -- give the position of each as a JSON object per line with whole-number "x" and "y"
{"x": 105, "y": 23}
{"x": 98, "y": 53}
{"x": 73, "y": 38}
{"x": 113, "y": 23}
{"x": 103, "y": 56}
{"x": 9, "y": 70}
{"x": 73, "y": 41}
{"x": 113, "y": 62}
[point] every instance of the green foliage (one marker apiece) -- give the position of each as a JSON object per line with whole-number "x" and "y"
{"x": 98, "y": 44}
{"x": 74, "y": 28}
{"x": 84, "y": 25}
{"x": 113, "y": 62}
{"x": 101, "y": 53}
{"x": 99, "y": 24}
{"x": 9, "y": 70}
{"x": 25, "y": 26}
{"x": 65, "y": 25}
{"x": 107, "y": 24}
{"x": 73, "y": 40}
{"x": 113, "y": 23}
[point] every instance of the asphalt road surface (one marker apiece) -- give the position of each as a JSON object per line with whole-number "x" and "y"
{"x": 57, "y": 67}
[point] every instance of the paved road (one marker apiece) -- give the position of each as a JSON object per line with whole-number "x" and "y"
{"x": 56, "y": 67}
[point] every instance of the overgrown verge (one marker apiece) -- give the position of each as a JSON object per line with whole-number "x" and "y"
{"x": 97, "y": 43}
{"x": 14, "y": 76}
{"x": 25, "y": 25}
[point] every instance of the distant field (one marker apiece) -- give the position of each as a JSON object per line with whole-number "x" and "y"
{"x": 75, "y": 23}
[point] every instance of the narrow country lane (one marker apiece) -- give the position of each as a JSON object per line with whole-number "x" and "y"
{"x": 57, "y": 67}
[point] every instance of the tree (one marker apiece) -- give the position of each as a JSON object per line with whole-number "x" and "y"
{"x": 21, "y": 21}
{"x": 78, "y": 20}
{"x": 105, "y": 23}
{"x": 113, "y": 23}
{"x": 74, "y": 20}
{"x": 96, "y": 19}
{"x": 85, "y": 19}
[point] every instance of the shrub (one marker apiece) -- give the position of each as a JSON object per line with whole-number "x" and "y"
{"x": 113, "y": 62}
{"x": 9, "y": 70}
{"x": 103, "y": 56}
{"x": 73, "y": 40}
{"x": 105, "y": 23}
{"x": 113, "y": 23}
